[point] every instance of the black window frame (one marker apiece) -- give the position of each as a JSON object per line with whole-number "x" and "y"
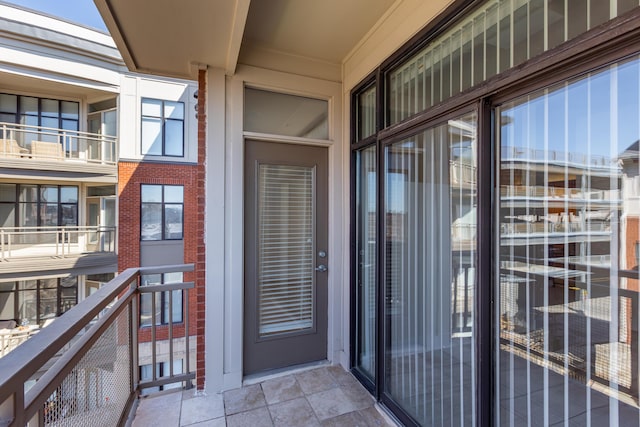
{"x": 40, "y": 286}
{"x": 39, "y": 203}
{"x": 163, "y": 121}
{"x": 162, "y": 205}
{"x": 19, "y": 113}
{"x": 164, "y": 296}
{"x": 613, "y": 40}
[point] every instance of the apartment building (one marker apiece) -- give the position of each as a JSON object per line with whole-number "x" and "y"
{"x": 98, "y": 173}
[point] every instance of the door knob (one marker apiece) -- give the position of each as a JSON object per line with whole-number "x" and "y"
{"x": 321, "y": 268}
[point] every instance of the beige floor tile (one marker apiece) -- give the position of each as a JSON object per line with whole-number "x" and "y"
{"x": 350, "y": 419}
{"x": 316, "y": 380}
{"x": 255, "y": 418}
{"x": 341, "y": 376}
{"x": 281, "y": 389}
{"x": 293, "y": 413}
{"x": 201, "y": 408}
{"x": 373, "y": 418}
{"x": 330, "y": 403}
{"x": 358, "y": 395}
{"x": 243, "y": 399}
{"x": 218, "y": 422}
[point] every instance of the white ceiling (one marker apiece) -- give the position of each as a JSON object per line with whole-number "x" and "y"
{"x": 171, "y": 37}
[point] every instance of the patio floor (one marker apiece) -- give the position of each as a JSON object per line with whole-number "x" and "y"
{"x": 320, "y": 396}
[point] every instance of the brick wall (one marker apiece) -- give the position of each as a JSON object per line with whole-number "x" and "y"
{"x": 130, "y": 177}
{"x": 200, "y": 228}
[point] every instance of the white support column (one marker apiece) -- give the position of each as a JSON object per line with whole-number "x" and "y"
{"x": 215, "y": 230}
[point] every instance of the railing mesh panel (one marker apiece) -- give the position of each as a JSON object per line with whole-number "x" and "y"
{"x": 96, "y": 391}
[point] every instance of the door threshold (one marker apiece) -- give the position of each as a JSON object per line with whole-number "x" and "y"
{"x": 281, "y": 372}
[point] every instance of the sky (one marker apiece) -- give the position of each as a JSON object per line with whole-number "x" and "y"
{"x": 79, "y": 11}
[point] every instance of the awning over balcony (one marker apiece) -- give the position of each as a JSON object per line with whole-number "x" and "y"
{"x": 173, "y": 38}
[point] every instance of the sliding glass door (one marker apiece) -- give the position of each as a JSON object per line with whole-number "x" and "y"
{"x": 566, "y": 282}
{"x": 430, "y": 202}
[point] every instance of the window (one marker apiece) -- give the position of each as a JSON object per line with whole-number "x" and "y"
{"x": 26, "y": 205}
{"x": 162, "y": 128}
{"x": 161, "y": 212}
{"x": 163, "y": 369}
{"x": 283, "y": 114}
{"x": 35, "y": 301}
{"x": 29, "y": 110}
{"x": 165, "y": 303}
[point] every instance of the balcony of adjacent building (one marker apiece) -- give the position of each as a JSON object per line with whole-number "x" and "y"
{"x": 39, "y": 150}
{"x": 29, "y": 250}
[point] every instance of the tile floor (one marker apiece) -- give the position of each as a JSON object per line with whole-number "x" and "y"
{"x": 321, "y": 396}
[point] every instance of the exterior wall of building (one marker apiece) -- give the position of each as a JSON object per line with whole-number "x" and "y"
{"x": 136, "y": 87}
{"x": 224, "y": 198}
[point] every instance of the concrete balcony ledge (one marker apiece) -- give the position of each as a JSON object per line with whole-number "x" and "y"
{"x": 316, "y": 396}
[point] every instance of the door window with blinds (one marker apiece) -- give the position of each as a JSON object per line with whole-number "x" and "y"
{"x": 285, "y": 276}
{"x": 567, "y": 274}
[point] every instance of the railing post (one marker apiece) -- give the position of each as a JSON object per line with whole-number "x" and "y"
{"x": 2, "y": 244}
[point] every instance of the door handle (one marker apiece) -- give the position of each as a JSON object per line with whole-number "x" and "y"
{"x": 321, "y": 268}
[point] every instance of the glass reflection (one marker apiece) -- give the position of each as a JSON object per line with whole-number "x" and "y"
{"x": 430, "y": 242}
{"x": 567, "y": 288}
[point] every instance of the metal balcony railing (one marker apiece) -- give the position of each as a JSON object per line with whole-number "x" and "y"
{"x": 95, "y": 378}
{"x": 528, "y": 154}
{"x": 519, "y": 191}
{"x": 63, "y": 241}
{"x": 42, "y": 143}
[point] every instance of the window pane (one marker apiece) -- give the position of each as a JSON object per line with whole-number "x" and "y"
{"x": 70, "y": 110}
{"x": 27, "y": 307}
{"x": 28, "y": 105}
{"x": 173, "y": 221}
{"x": 173, "y": 110}
{"x": 173, "y": 138}
{"x": 429, "y": 282}
{"x": 499, "y": 33}
{"x": 49, "y": 214}
{"x": 8, "y": 103}
{"x": 151, "y": 193}
{"x": 151, "y": 136}
{"x": 367, "y": 113}
{"x": 151, "y": 224}
{"x": 7, "y": 192}
{"x": 173, "y": 193}
{"x": 48, "y": 194}
{"x": 28, "y": 193}
{"x": 152, "y": 107}
{"x": 7, "y": 215}
{"x": 366, "y": 251}
{"x": 69, "y": 214}
{"x": 49, "y": 108}
{"x": 567, "y": 289}
{"x": 69, "y": 194}
{"x": 7, "y": 301}
{"x": 283, "y": 114}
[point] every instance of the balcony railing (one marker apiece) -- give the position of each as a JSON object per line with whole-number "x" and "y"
{"x": 520, "y": 191}
{"x": 49, "y": 144}
{"x": 64, "y": 241}
{"x": 580, "y": 160}
{"x": 97, "y": 377}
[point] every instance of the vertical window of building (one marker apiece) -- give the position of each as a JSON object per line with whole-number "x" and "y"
{"x": 167, "y": 305}
{"x": 161, "y": 212}
{"x": 162, "y": 128}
